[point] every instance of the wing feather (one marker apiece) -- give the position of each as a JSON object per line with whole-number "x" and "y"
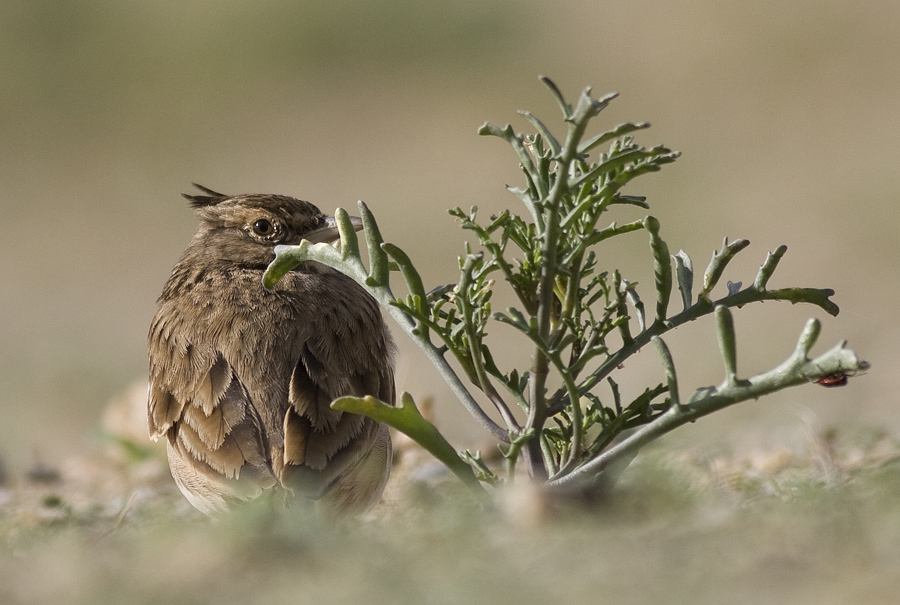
{"x": 216, "y": 443}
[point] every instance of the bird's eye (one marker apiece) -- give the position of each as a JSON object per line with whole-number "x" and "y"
{"x": 263, "y": 227}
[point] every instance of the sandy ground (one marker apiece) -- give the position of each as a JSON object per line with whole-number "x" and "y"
{"x": 814, "y": 525}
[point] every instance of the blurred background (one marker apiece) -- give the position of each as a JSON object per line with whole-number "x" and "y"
{"x": 787, "y": 115}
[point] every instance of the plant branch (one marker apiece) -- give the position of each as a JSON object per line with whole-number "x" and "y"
{"x": 288, "y": 257}
{"x": 473, "y": 337}
{"x": 407, "y": 419}
{"x": 797, "y": 369}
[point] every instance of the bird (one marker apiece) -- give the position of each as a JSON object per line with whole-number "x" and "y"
{"x": 241, "y": 377}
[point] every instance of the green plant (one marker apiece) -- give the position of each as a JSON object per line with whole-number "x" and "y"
{"x": 581, "y": 320}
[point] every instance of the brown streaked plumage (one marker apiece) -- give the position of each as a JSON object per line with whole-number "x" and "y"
{"x": 241, "y": 377}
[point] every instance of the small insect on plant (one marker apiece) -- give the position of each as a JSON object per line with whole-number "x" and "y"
{"x": 833, "y": 380}
{"x": 839, "y": 379}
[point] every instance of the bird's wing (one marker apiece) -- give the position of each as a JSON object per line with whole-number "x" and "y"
{"x": 349, "y": 354}
{"x": 214, "y": 437}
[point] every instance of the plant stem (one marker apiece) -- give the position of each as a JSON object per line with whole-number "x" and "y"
{"x": 578, "y": 120}
{"x": 699, "y": 309}
{"x": 475, "y": 353}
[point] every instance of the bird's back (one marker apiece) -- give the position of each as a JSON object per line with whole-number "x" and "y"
{"x": 241, "y": 379}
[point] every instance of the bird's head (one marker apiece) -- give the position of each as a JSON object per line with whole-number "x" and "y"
{"x": 244, "y": 229}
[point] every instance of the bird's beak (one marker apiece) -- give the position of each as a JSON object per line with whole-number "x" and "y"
{"x": 328, "y": 232}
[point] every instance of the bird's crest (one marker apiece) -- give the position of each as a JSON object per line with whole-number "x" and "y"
{"x": 200, "y": 201}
